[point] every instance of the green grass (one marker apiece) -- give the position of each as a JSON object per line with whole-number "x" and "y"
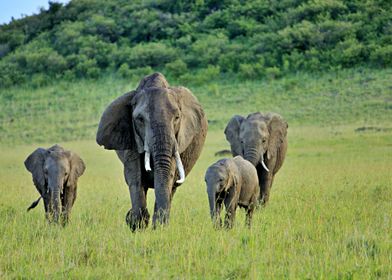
{"x": 69, "y": 111}
{"x": 330, "y": 209}
{"x": 329, "y": 217}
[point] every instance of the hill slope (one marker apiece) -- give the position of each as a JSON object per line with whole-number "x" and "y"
{"x": 69, "y": 111}
{"x": 255, "y": 38}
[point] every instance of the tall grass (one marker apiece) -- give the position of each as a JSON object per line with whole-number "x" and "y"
{"x": 329, "y": 217}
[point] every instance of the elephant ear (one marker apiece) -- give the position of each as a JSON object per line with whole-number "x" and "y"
{"x": 34, "y": 163}
{"x": 232, "y": 132}
{"x": 277, "y": 128}
{"x": 115, "y": 130}
{"x": 77, "y": 168}
{"x": 192, "y": 117}
{"x": 233, "y": 179}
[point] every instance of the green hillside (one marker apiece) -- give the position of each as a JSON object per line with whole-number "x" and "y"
{"x": 71, "y": 110}
{"x": 248, "y": 39}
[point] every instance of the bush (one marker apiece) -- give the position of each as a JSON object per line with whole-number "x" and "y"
{"x": 124, "y": 71}
{"x": 201, "y": 76}
{"x": 206, "y": 50}
{"x": 249, "y": 71}
{"x": 382, "y": 56}
{"x": 140, "y": 72}
{"x": 148, "y": 54}
{"x": 176, "y": 68}
{"x": 87, "y": 69}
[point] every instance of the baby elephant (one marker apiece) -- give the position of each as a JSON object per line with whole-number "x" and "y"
{"x": 55, "y": 175}
{"x": 234, "y": 181}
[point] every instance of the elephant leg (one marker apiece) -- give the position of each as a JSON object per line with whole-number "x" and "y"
{"x": 172, "y": 193}
{"x": 67, "y": 202}
{"x": 265, "y": 183}
{"x": 47, "y": 206}
{"x": 231, "y": 201}
{"x": 138, "y": 216}
{"x": 249, "y": 211}
{"x": 265, "y": 187}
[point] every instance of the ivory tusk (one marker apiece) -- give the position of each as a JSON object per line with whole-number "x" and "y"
{"x": 180, "y": 168}
{"x": 263, "y": 164}
{"x": 147, "y": 161}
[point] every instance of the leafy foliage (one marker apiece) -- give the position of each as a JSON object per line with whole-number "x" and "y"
{"x": 253, "y": 38}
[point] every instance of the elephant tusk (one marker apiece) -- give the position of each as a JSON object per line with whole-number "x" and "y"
{"x": 180, "y": 167}
{"x": 263, "y": 164}
{"x": 147, "y": 161}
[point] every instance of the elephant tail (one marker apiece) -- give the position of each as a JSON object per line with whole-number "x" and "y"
{"x": 34, "y": 204}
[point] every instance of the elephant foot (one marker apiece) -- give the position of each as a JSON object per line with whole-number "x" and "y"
{"x": 64, "y": 219}
{"x": 161, "y": 217}
{"x": 137, "y": 219}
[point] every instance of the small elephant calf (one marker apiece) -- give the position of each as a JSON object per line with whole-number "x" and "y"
{"x": 233, "y": 181}
{"x": 55, "y": 175}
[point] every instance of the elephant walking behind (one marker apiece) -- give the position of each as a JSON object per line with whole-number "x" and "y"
{"x": 55, "y": 174}
{"x": 234, "y": 182}
{"x": 158, "y": 132}
{"x": 262, "y": 140}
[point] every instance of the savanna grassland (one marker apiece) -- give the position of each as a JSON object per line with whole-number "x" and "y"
{"x": 329, "y": 215}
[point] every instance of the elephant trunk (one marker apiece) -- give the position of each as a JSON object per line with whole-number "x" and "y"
{"x": 55, "y": 197}
{"x": 180, "y": 166}
{"x": 212, "y": 201}
{"x": 251, "y": 155}
{"x": 162, "y": 156}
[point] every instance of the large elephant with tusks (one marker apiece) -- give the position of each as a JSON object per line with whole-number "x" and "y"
{"x": 158, "y": 132}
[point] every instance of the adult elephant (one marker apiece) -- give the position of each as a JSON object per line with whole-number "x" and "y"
{"x": 158, "y": 133}
{"x": 262, "y": 140}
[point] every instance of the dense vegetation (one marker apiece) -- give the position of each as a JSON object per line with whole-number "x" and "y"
{"x": 200, "y": 38}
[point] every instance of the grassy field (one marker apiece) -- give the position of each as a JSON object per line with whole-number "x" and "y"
{"x": 329, "y": 215}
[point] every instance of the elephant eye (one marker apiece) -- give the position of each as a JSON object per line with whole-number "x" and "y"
{"x": 264, "y": 140}
{"x": 139, "y": 119}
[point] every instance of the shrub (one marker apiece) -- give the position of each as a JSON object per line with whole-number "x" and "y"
{"x": 176, "y": 68}
{"x": 201, "y": 76}
{"x": 124, "y": 71}
{"x": 148, "y": 54}
{"x": 382, "y": 56}
{"x": 87, "y": 69}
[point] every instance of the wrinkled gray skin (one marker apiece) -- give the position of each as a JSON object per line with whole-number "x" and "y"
{"x": 55, "y": 174}
{"x": 232, "y": 181}
{"x": 159, "y": 120}
{"x": 259, "y": 138}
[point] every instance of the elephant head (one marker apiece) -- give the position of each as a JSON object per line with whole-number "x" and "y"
{"x": 157, "y": 122}
{"x": 257, "y": 138}
{"x": 53, "y": 169}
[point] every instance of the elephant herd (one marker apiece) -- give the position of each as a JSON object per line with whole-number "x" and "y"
{"x": 158, "y": 132}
